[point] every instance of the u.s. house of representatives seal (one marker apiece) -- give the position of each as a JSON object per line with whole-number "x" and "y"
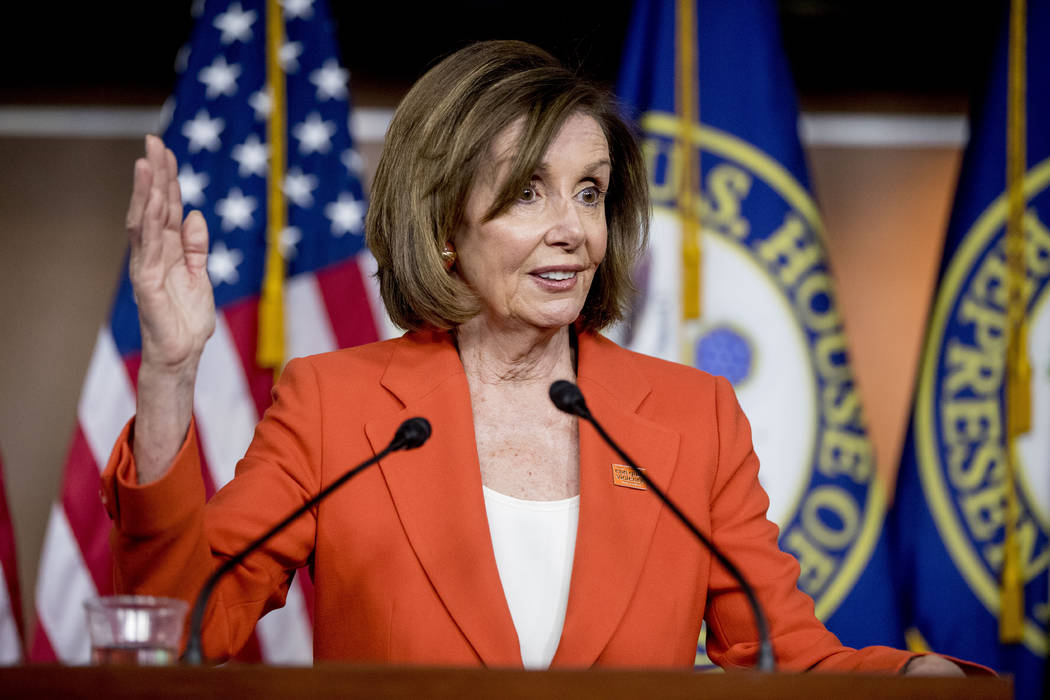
{"x": 769, "y": 323}
{"x": 960, "y": 419}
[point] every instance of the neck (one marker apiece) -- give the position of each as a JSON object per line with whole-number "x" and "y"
{"x": 521, "y": 355}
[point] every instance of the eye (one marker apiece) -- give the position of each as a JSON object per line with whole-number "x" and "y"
{"x": 591, "y": 196}
{"x": 528, "y": 194}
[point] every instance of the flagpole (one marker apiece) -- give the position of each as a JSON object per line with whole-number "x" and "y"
{"x": 1018, "y": 370}
{"x": 270, "y": 352}
{"x": 686, "y": 97}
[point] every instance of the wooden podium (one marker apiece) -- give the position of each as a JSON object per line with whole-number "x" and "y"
{"x": 338, "y": 681}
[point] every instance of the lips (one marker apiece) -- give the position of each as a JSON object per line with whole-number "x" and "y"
{"x": 557, "y": 279}
{"x": 557, "y": 275}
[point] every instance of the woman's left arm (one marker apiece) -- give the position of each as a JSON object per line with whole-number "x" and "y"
{"x": 739, "y": 526}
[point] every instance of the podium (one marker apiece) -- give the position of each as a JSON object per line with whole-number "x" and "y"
{"x": 397, "y": 682}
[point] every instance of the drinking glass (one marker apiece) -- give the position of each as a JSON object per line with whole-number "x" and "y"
{"x": 135, "y": 630}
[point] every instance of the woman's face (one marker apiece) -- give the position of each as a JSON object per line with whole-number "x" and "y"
{"x": 534, "y": 263}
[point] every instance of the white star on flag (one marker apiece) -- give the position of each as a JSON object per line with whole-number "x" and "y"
{"x": 300, "y": 187}
{"x": 236, "y": 210}
{"x": 287, "y": 240}
{"x": 330, "y": 80}
{"x": 347, "y": 214}
{"x": 182, "y": 58}
{"x": 353, "y": 161}
{"x": 235, "y": 24}
{"x": 288, "y": 56}
{"x": 192, "y": 185}
{"x": 314, "y": 134}
{"x": 251, "y": 156}
{"x": 260, "y": 102}
{"x": 220, "y": 77}
{"x": 297, "y": 9}
{"x": 203, "y": 132}
{"x": 222, "y": 264}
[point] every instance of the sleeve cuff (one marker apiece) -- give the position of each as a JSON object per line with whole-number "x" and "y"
{"x": 160, "y": 505}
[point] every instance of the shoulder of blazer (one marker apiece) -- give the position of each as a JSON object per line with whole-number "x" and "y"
{"x": 643, "y": 381}
{"x": 407, "y": 367}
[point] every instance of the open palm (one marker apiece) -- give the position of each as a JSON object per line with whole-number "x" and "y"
{"x": 168, "y": 267}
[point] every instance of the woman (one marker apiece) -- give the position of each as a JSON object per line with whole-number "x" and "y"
{"x": 507, "y": 208}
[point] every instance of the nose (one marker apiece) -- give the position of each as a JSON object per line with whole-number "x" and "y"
{"x": 565, "y": 227}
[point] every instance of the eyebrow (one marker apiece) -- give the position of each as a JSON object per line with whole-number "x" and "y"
{"x": 588, "y": 170}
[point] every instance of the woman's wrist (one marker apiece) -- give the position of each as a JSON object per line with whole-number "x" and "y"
{"x": 163, "y": 413}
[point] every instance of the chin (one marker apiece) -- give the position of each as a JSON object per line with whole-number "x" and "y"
{"x": 552, "y": 316}
{"x": 555, "y": 322}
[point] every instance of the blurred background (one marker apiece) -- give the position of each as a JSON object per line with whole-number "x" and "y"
{"x": 884, "y": 88}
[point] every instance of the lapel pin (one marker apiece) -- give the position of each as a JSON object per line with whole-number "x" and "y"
{"x": 623, "y": 475}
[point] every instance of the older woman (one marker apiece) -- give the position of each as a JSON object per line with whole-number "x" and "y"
{"x": 506, "y": 211}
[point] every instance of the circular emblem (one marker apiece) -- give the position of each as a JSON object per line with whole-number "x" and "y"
{"x": 724, "y": 352}
{"x": 960, "y": 411}
{"x": 770, "y": 325}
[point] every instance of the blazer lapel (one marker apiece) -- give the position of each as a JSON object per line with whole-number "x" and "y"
{"x": 438, "y": 497}
{"x": 616, "y": 523}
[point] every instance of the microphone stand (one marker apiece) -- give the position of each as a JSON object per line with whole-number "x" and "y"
{"x": 568, "y": 398}
{"x": 410, "y": 434}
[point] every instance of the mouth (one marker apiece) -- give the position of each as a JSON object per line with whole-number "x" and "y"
{"x": 557, "y": 279}
{"x": 557, "y": 275}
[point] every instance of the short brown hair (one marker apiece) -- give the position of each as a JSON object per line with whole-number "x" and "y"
{"x": 438, "y": 140}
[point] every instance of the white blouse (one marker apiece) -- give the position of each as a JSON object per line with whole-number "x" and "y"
{"x": 534, "y": 543}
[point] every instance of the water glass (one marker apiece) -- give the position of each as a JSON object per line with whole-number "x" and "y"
{"x": 135, "y": 630}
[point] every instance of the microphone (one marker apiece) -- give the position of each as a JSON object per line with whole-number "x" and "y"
{"x": 568, "y": 398}
{"x": 410, "y": 435}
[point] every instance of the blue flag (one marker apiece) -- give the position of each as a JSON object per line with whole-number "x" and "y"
{"x": 948, "y": 526}
{"x": 727, "y": 171}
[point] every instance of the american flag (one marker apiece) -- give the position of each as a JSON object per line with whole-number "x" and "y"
{"x": 218, "y": 131}
{"x": 10, "y": 601}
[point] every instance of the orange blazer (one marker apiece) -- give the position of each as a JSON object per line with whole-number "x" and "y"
{"x": 401, "y": 556}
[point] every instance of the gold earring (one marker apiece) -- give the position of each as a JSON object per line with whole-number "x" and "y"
{"x": 448, "y": 257}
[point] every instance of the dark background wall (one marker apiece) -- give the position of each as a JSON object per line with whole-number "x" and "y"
{"x": 912, "y": 53}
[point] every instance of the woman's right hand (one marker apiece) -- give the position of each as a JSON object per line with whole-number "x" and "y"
{"x": 168, "y": 267}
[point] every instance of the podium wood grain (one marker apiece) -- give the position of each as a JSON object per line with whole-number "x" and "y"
{"x": 337, "y": 681}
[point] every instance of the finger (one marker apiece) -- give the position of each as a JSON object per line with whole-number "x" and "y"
{"x": 173, "y": 192}
{"x": 195, "y": 242}
{"x": 151, "y": 255}
{"x": 142, "y": 181}
{"x": 158, "y": 163}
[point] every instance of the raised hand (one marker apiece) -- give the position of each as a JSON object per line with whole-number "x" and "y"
{"x": 168, "y": 266}
{"x": 168, "y": 270}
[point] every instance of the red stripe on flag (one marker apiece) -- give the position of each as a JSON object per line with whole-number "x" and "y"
{"x": 41, "y": 652}
{"x": 132, "y": 362}
{"x": 9, "y": 559}
{"x": 306, "y": 584}
{"x": 242, "y": 319}
{"x": 346, "y": 300}
{"x": 83, "y": 508}
{"x": 209, "y": 482}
